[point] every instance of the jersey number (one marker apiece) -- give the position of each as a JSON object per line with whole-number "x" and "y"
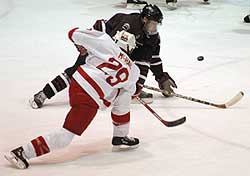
{"x": 121, "y": 75}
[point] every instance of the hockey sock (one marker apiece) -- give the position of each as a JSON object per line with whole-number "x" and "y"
{"x": 56, "y": 85}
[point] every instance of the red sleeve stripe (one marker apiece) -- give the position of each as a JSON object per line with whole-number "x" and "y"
{"x": 70, "y": 34}
{"x": 94, "y": 85}
{"x": 156, "y": 63}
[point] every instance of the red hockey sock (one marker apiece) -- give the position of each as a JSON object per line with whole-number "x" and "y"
{"x": 40, "y": 146}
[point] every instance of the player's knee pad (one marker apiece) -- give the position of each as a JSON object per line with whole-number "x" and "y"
{"x": 56, "y": 85}
{"x": 121, "y": 104}
{"x": 59, "y": 139}
{"x": 80, "y": 61}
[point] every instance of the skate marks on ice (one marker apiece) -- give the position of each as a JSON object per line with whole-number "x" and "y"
{"x": 120, "y": 5}
{"x": 193, "y": 7}
{"x": 6, "y": 8}
{"x": 242, "y": 31}
{"x": 213, "y": 67}
{"x": 218, "y": 139}
{"x": 92, "y": 154}
{"x": 52, "y": 104}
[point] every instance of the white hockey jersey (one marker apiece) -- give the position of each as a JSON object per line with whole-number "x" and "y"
{"x": 107, "y": 67}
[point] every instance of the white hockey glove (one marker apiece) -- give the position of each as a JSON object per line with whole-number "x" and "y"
{"x": 125, "y": 40}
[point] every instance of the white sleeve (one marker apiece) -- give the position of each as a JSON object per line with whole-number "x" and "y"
{"x": 133, "y": 78}
{"x": 97, "y": 43}
{"x": 89, "y": 39}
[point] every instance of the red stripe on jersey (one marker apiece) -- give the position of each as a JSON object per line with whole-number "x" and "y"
{"x": 71, "y": 33}
{"x": 120, "y": 119}
{"x": 40, "y": 146}
{"x": 94, "y": 85}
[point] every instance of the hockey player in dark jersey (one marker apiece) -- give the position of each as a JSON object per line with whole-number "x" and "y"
{"x": 146, "y": 56}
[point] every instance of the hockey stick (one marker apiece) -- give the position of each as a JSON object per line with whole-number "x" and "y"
{"x": 231, "y": 102}
{"x": 166, "y": 123}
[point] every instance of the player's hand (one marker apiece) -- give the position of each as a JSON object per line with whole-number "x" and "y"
{"x": 166, "y": 83}
{"x": 137, "y": 92}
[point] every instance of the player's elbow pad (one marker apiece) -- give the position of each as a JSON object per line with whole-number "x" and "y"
{"x": 70, "y": 33}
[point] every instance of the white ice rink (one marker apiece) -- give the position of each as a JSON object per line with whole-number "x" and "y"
{"x": 34, "y": 48}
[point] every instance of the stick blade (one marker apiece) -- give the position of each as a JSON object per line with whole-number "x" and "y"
{"x": 175, "y": 122}
{"x": 234, "y": 100}
{"x": 231, "y": 102}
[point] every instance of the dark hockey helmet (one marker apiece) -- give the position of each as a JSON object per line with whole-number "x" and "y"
{"x": 152, "y": 12}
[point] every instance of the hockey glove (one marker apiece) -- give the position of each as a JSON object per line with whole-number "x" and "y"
{"x": 166, "y": 83}
{"x": 138, "y": 91}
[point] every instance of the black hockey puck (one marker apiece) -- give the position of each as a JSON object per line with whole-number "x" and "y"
{"x": 247, "y": 19}
{"x": 200, "y": 58}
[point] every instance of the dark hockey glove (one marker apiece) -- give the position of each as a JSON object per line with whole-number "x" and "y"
{"x": 138, "y": 91}
{"x": 166, "y": 83}
{"x": 81, "y": 49}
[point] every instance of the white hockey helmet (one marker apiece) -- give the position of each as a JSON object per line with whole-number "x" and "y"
{"x": 125, "y": 40}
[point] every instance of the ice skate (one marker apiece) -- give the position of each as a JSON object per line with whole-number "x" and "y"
{"x": 17, "y": 158}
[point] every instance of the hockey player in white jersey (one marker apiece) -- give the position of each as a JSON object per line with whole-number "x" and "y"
{"x": 107, "y": 79}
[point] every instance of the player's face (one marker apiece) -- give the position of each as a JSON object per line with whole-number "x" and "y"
{"x": 151, "y": 26}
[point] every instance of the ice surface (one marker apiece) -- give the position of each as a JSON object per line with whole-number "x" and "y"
{"x": 34, "y": 48}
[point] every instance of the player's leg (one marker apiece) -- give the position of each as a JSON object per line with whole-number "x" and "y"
{"x": 206, "y": 2}
{"x": 58, "y": 84}
{"x": 120, "y": 114}
{"x": 39, "y": 146}
{"x": 136, "y": 4}
{"x": 82, "y": 112}
{"x": 171, "y": 4}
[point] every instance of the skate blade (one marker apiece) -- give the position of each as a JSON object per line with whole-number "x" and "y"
{"x": 33, "y": 103}
{"x": 206, "y": 2}
{"x": 172, "y": 6}
{"x": 120, "y": 148}
{"x": 135, "y": 6}
{"x": 15, "y": 162}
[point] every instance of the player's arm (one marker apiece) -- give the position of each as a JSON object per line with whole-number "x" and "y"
{"x": 163, "y": 78}
{"x": 112, "y": 25}
{"x": 100, "y": 25}
{"x": 86, "y": 39}
{"x": 107, "y": 26}
{"x": 82, "y": 50}
{"x": 142, "y": 56}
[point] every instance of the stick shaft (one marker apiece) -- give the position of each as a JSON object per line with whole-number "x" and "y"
{"x": 166, "y": 123}
{"x": 186, "y": 97}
